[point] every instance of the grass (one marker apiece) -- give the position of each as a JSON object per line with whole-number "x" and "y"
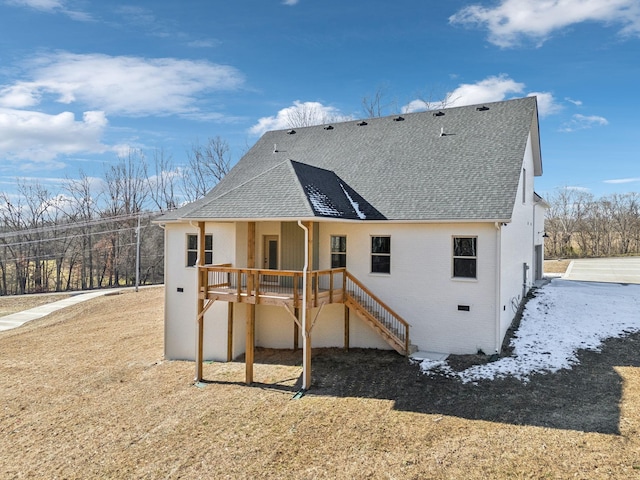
{"x": 13, "y": 304}
{"x": 85, "y": 393}
{"x": 556, "y": 266}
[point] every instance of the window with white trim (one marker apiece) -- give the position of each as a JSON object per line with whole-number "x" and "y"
{"x": 381, "y": 254}
{"x": 338, "y": 251}
{"x": 192, "y": 250}
{"x": 465, "y": 257}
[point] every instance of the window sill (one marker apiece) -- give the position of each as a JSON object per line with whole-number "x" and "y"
{"x": 465, "y": 279}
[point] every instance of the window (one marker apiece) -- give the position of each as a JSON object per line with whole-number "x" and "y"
{"x": 380, "y": 254}
{"x": 338, "y": 251}
{"x": 524, "y": 185}
{"x": 464, "y": 257}
{"x": 192, "y": 250}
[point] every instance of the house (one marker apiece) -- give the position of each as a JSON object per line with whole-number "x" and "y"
{"x": 420, "y": 231}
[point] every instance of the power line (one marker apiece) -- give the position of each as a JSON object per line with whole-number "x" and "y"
{"x": 87, "y": 234}
{"x": 86, "y": 223}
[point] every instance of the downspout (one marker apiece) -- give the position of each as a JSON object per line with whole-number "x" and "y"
{"x": 305, "y": 268}
{"x": 498, "y": 285}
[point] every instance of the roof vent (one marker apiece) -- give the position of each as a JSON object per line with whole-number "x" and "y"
{"x": 438, "y": 114}
{"x": 398, "y": 119}
{"x": 328, "y": 127}
{"x": 442, "y": 134}
{"x": 483, "y": 108}
{"x": 362, "y": 123}
{"x": 275, "y": 148}
{"x": 291, "y": 132}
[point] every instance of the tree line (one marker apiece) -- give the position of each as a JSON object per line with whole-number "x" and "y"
{"x": 85, "y": 234}
{"x": 580, "y": 225}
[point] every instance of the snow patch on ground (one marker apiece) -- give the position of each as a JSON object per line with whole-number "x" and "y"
{"x": 563, "y": 318}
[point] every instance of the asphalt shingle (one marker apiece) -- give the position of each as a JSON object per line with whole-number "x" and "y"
{"x": 463, "y": 165}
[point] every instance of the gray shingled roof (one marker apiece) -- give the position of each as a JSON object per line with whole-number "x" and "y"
{"x": 389, "y": 168}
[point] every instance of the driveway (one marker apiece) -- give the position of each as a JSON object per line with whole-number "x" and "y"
{"x": 615, "y": 270}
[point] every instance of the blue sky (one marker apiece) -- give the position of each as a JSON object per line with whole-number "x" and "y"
{"x": 82, "y": 82}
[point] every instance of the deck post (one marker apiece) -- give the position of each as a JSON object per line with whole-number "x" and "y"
{"x": 229, "y": 331}
{"x": 200, "y": 296}
{"x": 346, "y": 327}
{"x": 251, "y": 308}
{"x": 307, "y": 339}
{"x": 296, "y": 330}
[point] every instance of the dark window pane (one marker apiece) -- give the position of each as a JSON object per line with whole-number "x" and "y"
{"x": 192, "y": 242}
{"x": 191, "y": 258}
{"x": 338, "y": 260}
{"x": 208, "y": 242}
{"x": 464, "y": 247}
{"x": 380, "y": 264}
{"x": 338, "y": 244}
{"x": 464, "y": 267}
{"x": 380, "y": 244}
{"x": 208, "y": 258}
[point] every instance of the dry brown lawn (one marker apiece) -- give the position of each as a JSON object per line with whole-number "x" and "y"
{"x": 556, "y": 266}
{"x": 85, "y": 393}
{"x": 13, "y": 304}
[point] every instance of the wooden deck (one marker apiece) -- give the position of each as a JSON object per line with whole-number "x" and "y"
{"x": 271, "y": 287}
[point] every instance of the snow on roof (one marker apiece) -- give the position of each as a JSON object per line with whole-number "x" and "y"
{"x": 321, "y": 203}
{"x": 354, "y": 204}
{"x": 564, "y": 317}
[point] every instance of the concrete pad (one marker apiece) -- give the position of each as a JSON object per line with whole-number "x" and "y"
{"x": 434, "y": 356}
{"x": 612, "y": 270}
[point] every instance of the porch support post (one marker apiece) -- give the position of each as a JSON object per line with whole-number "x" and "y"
{"x": 346, "y": 327}
{"x": 307, "y": 338}
{"x": 229, "y": 331}
{"x": 296, "y": 330}
{"x": 251, "y": 308}
{"x": 200, "y": 296}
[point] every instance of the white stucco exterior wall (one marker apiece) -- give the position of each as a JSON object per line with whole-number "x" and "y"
{"x": 517, "y": 240}
{"x": 181, "y": 294}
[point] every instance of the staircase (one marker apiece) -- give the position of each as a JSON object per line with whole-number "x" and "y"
{"x": 388, "y": 324}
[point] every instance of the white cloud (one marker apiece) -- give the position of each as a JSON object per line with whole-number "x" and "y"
{"x": 491, "y": 89}
{"x": 512, "y": 20}
{"x": 130, "y": 86}
{"x": 623, "y": 180}
{"x": 583, "y": 122}
{"x": 298, "y": 115}
{"x": 577, "y": 103}
{"x": 206, "y": 43}
{"x": 290, "y": 2}
{"x": 41, "y": 138}
{"x": 51, "y": 6}
{"x": 546, "y": 103}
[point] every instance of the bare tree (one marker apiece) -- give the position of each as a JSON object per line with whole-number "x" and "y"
{"x": 308, "y": 114}
{"x": 374, "y": 105}
{"x": 207, "y": 165}
{"x": 84, "y": 210}
{"x": 163, "y": 182}
{"x": 126, "y": 189}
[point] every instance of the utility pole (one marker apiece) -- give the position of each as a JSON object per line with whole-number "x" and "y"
{"x": 138, "y": 253}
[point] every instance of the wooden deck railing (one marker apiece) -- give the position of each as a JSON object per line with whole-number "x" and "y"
{"x": 253, "y": 285}
{"x": 378, "y": 312}
{"x": 285, "y": 287}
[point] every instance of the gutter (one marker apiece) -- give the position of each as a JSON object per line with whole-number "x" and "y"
{"x": 498, "y": 284}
